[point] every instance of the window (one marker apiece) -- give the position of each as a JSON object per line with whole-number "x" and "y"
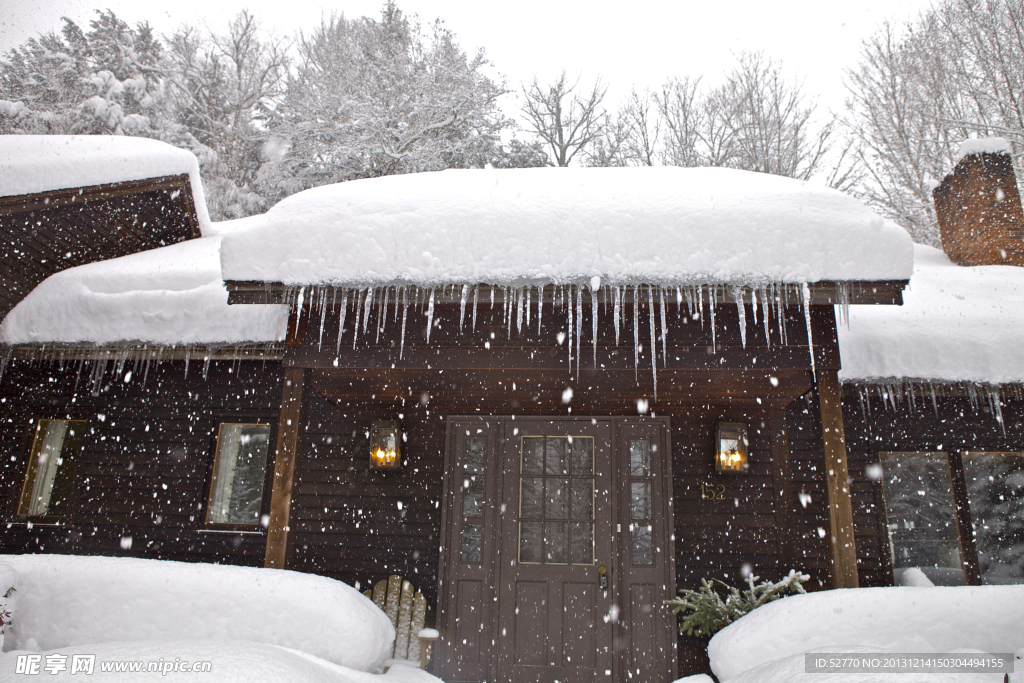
{"x": 239, "y": 471}
{"x": 51, "y": 468}
{"x": 995, "y": 492}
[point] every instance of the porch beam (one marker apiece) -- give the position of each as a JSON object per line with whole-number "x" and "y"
{"x": 837, "y": 474}
{"x": 285, "y": 458}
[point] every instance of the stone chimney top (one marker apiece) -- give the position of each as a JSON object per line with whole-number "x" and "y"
{"x": 978, "y": 207}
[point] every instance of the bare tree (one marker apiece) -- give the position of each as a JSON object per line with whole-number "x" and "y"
{"x": 696, "y": 133}
{"x": 566, "y": 120}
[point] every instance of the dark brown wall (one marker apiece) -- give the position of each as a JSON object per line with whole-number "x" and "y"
{"x": 979, "y": 212}
{"x": 144, "y": 433}
{"x": 44, "y": 233}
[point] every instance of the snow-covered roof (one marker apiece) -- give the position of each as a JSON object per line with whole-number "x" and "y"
{"x": 957, "y": 324}
{"x": 983, "y": 146}
{"x": 171, "y": 295}
{"x": 661, "y": 225}
{"x": 41, "y": 163}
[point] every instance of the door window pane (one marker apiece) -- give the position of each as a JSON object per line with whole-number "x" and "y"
{"x": 640, "y": 500}
{"x": 921, "y": 519}
{"x": 561, "y": 500}
{"x": 643, "y": 551}
{"x": 995, "y": 493}
{"x": 639, "y": 458}
{"x": 475, "y": 451}
{"x": 50, "y": 473}
{"x": 472, "y": 535}
{"x": 473, "y": 497}
{"x": 239, "y": 470}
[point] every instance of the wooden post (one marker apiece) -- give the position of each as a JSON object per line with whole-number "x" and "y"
{"x": 782, "y": 479}
{"x": 286, "y": 455}
{"x": 837, "y": 474}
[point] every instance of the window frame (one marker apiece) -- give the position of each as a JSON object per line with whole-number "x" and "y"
{"x": 69, "y": 450}
{"x": 268, "y": 473}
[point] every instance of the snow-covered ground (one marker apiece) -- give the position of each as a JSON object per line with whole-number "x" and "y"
{"x": 768, "y": 645}
{"x": 667, "y": 226}
{"x": 171, "y": 295}
{"x": 250, "y": 624}
{"x": 40, "y": 163}
{"x": 956, "y": 324}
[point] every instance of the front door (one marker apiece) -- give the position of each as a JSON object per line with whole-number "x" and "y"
{"x": 556, "y": 558}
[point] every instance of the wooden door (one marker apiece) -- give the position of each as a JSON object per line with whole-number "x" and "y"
{"x": 536, "y": 512}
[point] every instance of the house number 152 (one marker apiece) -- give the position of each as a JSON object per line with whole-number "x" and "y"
{"x": 712, "y": 491}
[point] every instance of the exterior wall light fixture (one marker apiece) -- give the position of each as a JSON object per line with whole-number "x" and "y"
{"x": 731, "y": 447}
{"x": 385, "y": 445}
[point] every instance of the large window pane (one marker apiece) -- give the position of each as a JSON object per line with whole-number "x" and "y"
{"x": 50, "y": 473}
{"x": 921, "y": 519}
{"x": 995, "y": 492}
{"x": 239, "y": 470}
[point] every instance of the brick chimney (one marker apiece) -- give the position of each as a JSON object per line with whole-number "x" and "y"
{"x": 978, "y": 207}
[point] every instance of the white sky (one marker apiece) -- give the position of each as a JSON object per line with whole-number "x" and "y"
{"x": 640, "y": 42}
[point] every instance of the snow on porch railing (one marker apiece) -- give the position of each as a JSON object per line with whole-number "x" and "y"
{"x": 137, "y": 357}
{"x": 521, "y": 305}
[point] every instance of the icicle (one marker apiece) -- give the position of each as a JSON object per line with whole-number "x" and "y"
{"x": 383, "y": 315}
{"x": 664, "y": 328}
{"x": 358, "y": 294}
{"x": 540, "y": 304}
{"x": 741, "y": 310}
{"x": 636, "y": 329}
{"x": 323, "y": 317}
{"x": 476, "y": 301}
{"x": 510, "y": 297}
{"x": 430, "y": 315}
{"x": 504, "y": 305}
{"x": 529, "y": 290}
{"x": 341, "y": 320}
{"x": 520, "y": 300}
{"x": 492, "y": 297}
{"x": 298, "y": 315}
{"x": 679, "y": 301}
{"x": 366, "y": 307}
{"x": 762, "y": 293}
{"x": 617, "y": 312}
{"x": 753, "y": 304}
{"x": 569, "y": 340}
{"x": 593, "y": 322}
{"x": 405, "y": 316}
{"x": 712, "y": 298}
{"x": 579, "y": 325}
{"x": 807, "y": 318}
{"x": 462, "y": 305}
{"x": 700, "y": 305}
{"x": 654, "y": 341}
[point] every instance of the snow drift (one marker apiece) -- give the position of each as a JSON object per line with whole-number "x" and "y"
{"x": 668, "y": 226}
{"x": 956, "y": 324}
{"x": 899, "y": 619}
{"x": 40, "y": 163}
{"x": 171, "y": 295}
{"x": 66, "y": 601}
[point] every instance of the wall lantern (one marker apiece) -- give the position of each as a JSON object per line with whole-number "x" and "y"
{"x": 385, "y": 449}
{"x": 731, "y": 447}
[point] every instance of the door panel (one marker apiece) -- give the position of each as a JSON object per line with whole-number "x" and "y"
{"x": 533, "y": 509}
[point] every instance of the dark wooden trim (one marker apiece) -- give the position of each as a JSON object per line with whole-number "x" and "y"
{"x": 882, "y": 517}
{"x": 824, "y": 293}
{"x": 782, "y": 480}
{"x": 137, "y": 350}
{"x": 961, "y": 505}
{"x": 285, "y": 458}
{"x": 74, "y": 196}
{"x": 840, "y": 503}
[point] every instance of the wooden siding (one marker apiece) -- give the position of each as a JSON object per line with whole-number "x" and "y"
{"x": 148, "y": 452}
{"x": 51, "y": 231}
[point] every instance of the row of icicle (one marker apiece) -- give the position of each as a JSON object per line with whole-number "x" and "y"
{"x": 518, "y": 306}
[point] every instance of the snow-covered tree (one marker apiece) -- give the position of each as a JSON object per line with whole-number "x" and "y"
{"x": 371, "y": 98}
{"x": 955, "y": 72}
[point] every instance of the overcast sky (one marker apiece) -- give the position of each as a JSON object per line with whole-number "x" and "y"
{"x": 632, "y": 43}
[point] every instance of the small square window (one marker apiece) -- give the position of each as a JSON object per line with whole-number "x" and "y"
{"x": 51, "y": 469}
{"x": 239, "y": 471}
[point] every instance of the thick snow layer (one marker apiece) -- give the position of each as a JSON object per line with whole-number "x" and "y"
{"x": 983, "y": 146}
{"x": 899, "y": 619}
{"x": 170, "y": 295}
{"x": 230, "y": 662}
{"x": 39, "y": 163}
{"x": 70, "y": 601}
{"x": 956, "y": 324}
{"x": 567, "y": 225}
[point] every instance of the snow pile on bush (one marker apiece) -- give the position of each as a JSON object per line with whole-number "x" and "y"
{"x": 768, "y": 644}
{"x": 172, "y": 295}
{"x": 669, "y": 226}
{"x": 956, "y": 324}
{"x": 40, "y": 163}
{"x": 69, "y": 601}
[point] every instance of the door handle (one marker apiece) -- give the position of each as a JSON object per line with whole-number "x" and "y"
{"x": 602, "y": 579}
